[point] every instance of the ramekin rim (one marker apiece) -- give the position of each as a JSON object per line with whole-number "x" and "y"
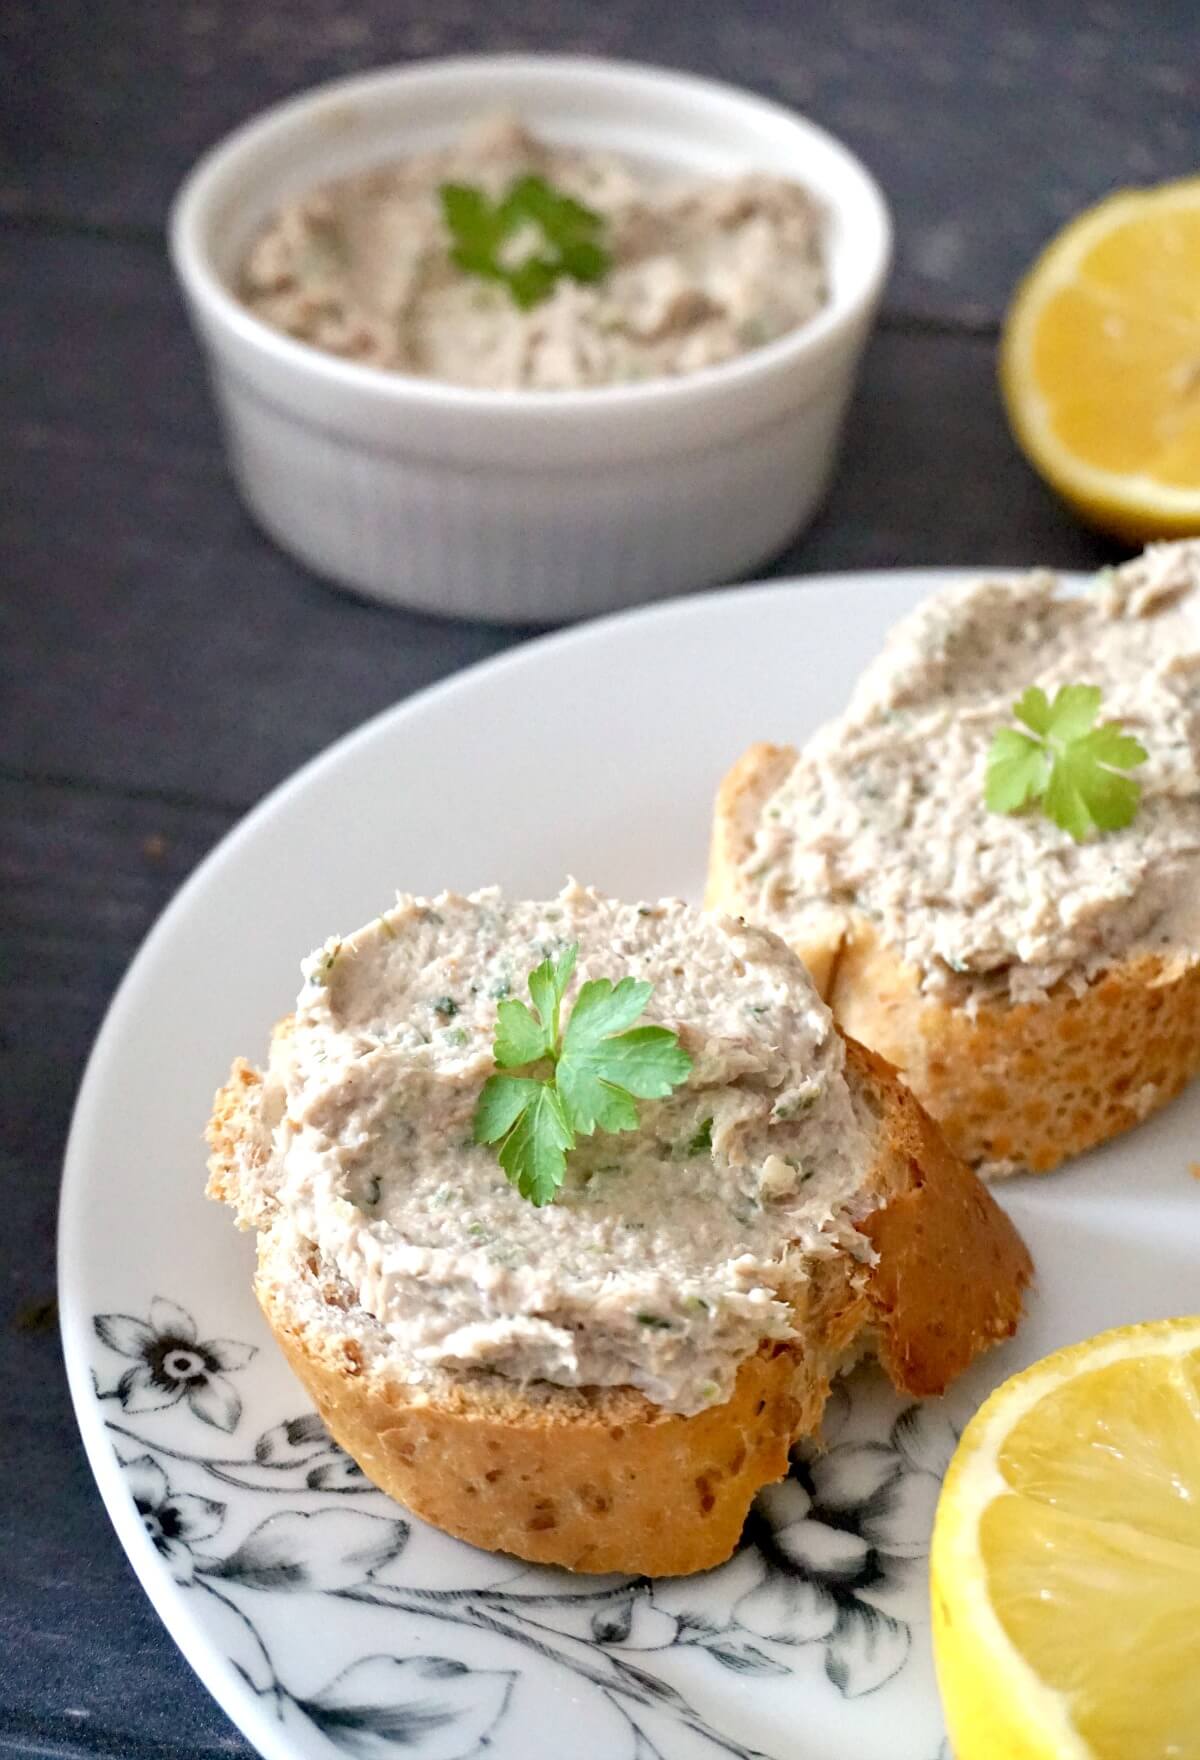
{"x": 206, "y": 287}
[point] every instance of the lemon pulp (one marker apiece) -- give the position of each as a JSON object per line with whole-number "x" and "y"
{"x": 1066, "y": 1559}
{"x": 1100, "y": 362}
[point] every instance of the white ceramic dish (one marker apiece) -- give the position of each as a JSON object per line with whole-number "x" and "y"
{"x": 322, "y": 1618}
{"x": 526, "y": 506}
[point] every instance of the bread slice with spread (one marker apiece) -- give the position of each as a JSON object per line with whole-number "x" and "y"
{"x": 605, "y": 1381}
{"x": 1037, "y": 987}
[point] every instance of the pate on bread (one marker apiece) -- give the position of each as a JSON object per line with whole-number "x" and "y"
{"x": 1037, "y": 993}
{"x": 516, "y": 1374}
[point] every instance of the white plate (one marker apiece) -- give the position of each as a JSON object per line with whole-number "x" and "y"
{"x": 324, "y": 1620}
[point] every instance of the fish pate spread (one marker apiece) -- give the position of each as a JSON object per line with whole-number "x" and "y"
{"x": 883, "y": 815}
{"x": 700, "y": 270}
{"x": 671, "y": 1252}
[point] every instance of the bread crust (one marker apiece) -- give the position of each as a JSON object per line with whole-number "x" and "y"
{"x": 1014, "y": 1086}
{"x": 1024, "y": 1086}
{"x": 599, "y": 1479}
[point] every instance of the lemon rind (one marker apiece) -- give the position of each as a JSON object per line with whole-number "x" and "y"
{"x": 1137, "y": 505}
{"x": 1037, "y": 1716}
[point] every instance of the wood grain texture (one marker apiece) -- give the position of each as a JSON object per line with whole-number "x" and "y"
{"x": 161, "y": 665}
{"x": 987, "y": 124}
{"x": 85, "y": 1666}
{"x": 150, "y": 637}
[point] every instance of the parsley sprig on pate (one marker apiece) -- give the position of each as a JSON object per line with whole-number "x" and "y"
{"x": 561, "y": 237}
{"x": 584, "y": 1077}
{"x": 1065, "y": 764}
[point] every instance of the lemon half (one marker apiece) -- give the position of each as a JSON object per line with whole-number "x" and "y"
{"x": 1100, "y": 362}
{"x": 1065, "y": 1563}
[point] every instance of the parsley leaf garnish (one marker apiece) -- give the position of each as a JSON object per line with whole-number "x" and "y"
{"x": 1065, "y": 762}
{"x": 599, "y": 1067}
{"x": 571, "y": 237}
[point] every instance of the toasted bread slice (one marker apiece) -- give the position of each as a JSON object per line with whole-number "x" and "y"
{"x": 601, "y": 1479}
{"x": 1014, "y": 1086}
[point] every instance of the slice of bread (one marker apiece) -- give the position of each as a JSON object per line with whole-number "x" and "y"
{"x": 1014, "y": 1086}
{"x": 601, "y": 1479}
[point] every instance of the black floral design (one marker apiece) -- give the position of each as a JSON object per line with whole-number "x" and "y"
{"x": 174, "y": 1520}
{"x": 824, "y": 1561}
{"x": 386, "y": 1705}
{"x": 836, "y": 1542}
{"x": 327, "y": 1550}
{"x": 171, "y": 1364}
{"x": 380, "y": 1705}
{"x": 305, "y": 1441}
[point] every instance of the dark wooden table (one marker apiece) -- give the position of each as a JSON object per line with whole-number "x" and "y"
{"x": 161, "y": 665}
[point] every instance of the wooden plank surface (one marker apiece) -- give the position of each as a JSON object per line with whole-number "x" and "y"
{"x": 153, "y": 639}
{"x": 161, "y": 665}
{"x": 85, "y": 1666}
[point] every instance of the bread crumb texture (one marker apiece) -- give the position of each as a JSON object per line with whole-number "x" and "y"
{"x": 1027, "y": 1086}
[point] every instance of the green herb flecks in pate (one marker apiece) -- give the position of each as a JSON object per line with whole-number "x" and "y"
{"x": 702, "y": 1213}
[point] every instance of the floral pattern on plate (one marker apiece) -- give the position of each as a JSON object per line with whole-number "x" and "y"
{"x": 831, "y": 1564}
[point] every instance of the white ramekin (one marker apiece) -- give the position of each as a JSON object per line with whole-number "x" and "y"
{"x": 526, "y": 506}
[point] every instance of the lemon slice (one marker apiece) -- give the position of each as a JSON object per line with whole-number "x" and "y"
{"x": 1100, "y": 362}
{"x": 1065, "y": 1564}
